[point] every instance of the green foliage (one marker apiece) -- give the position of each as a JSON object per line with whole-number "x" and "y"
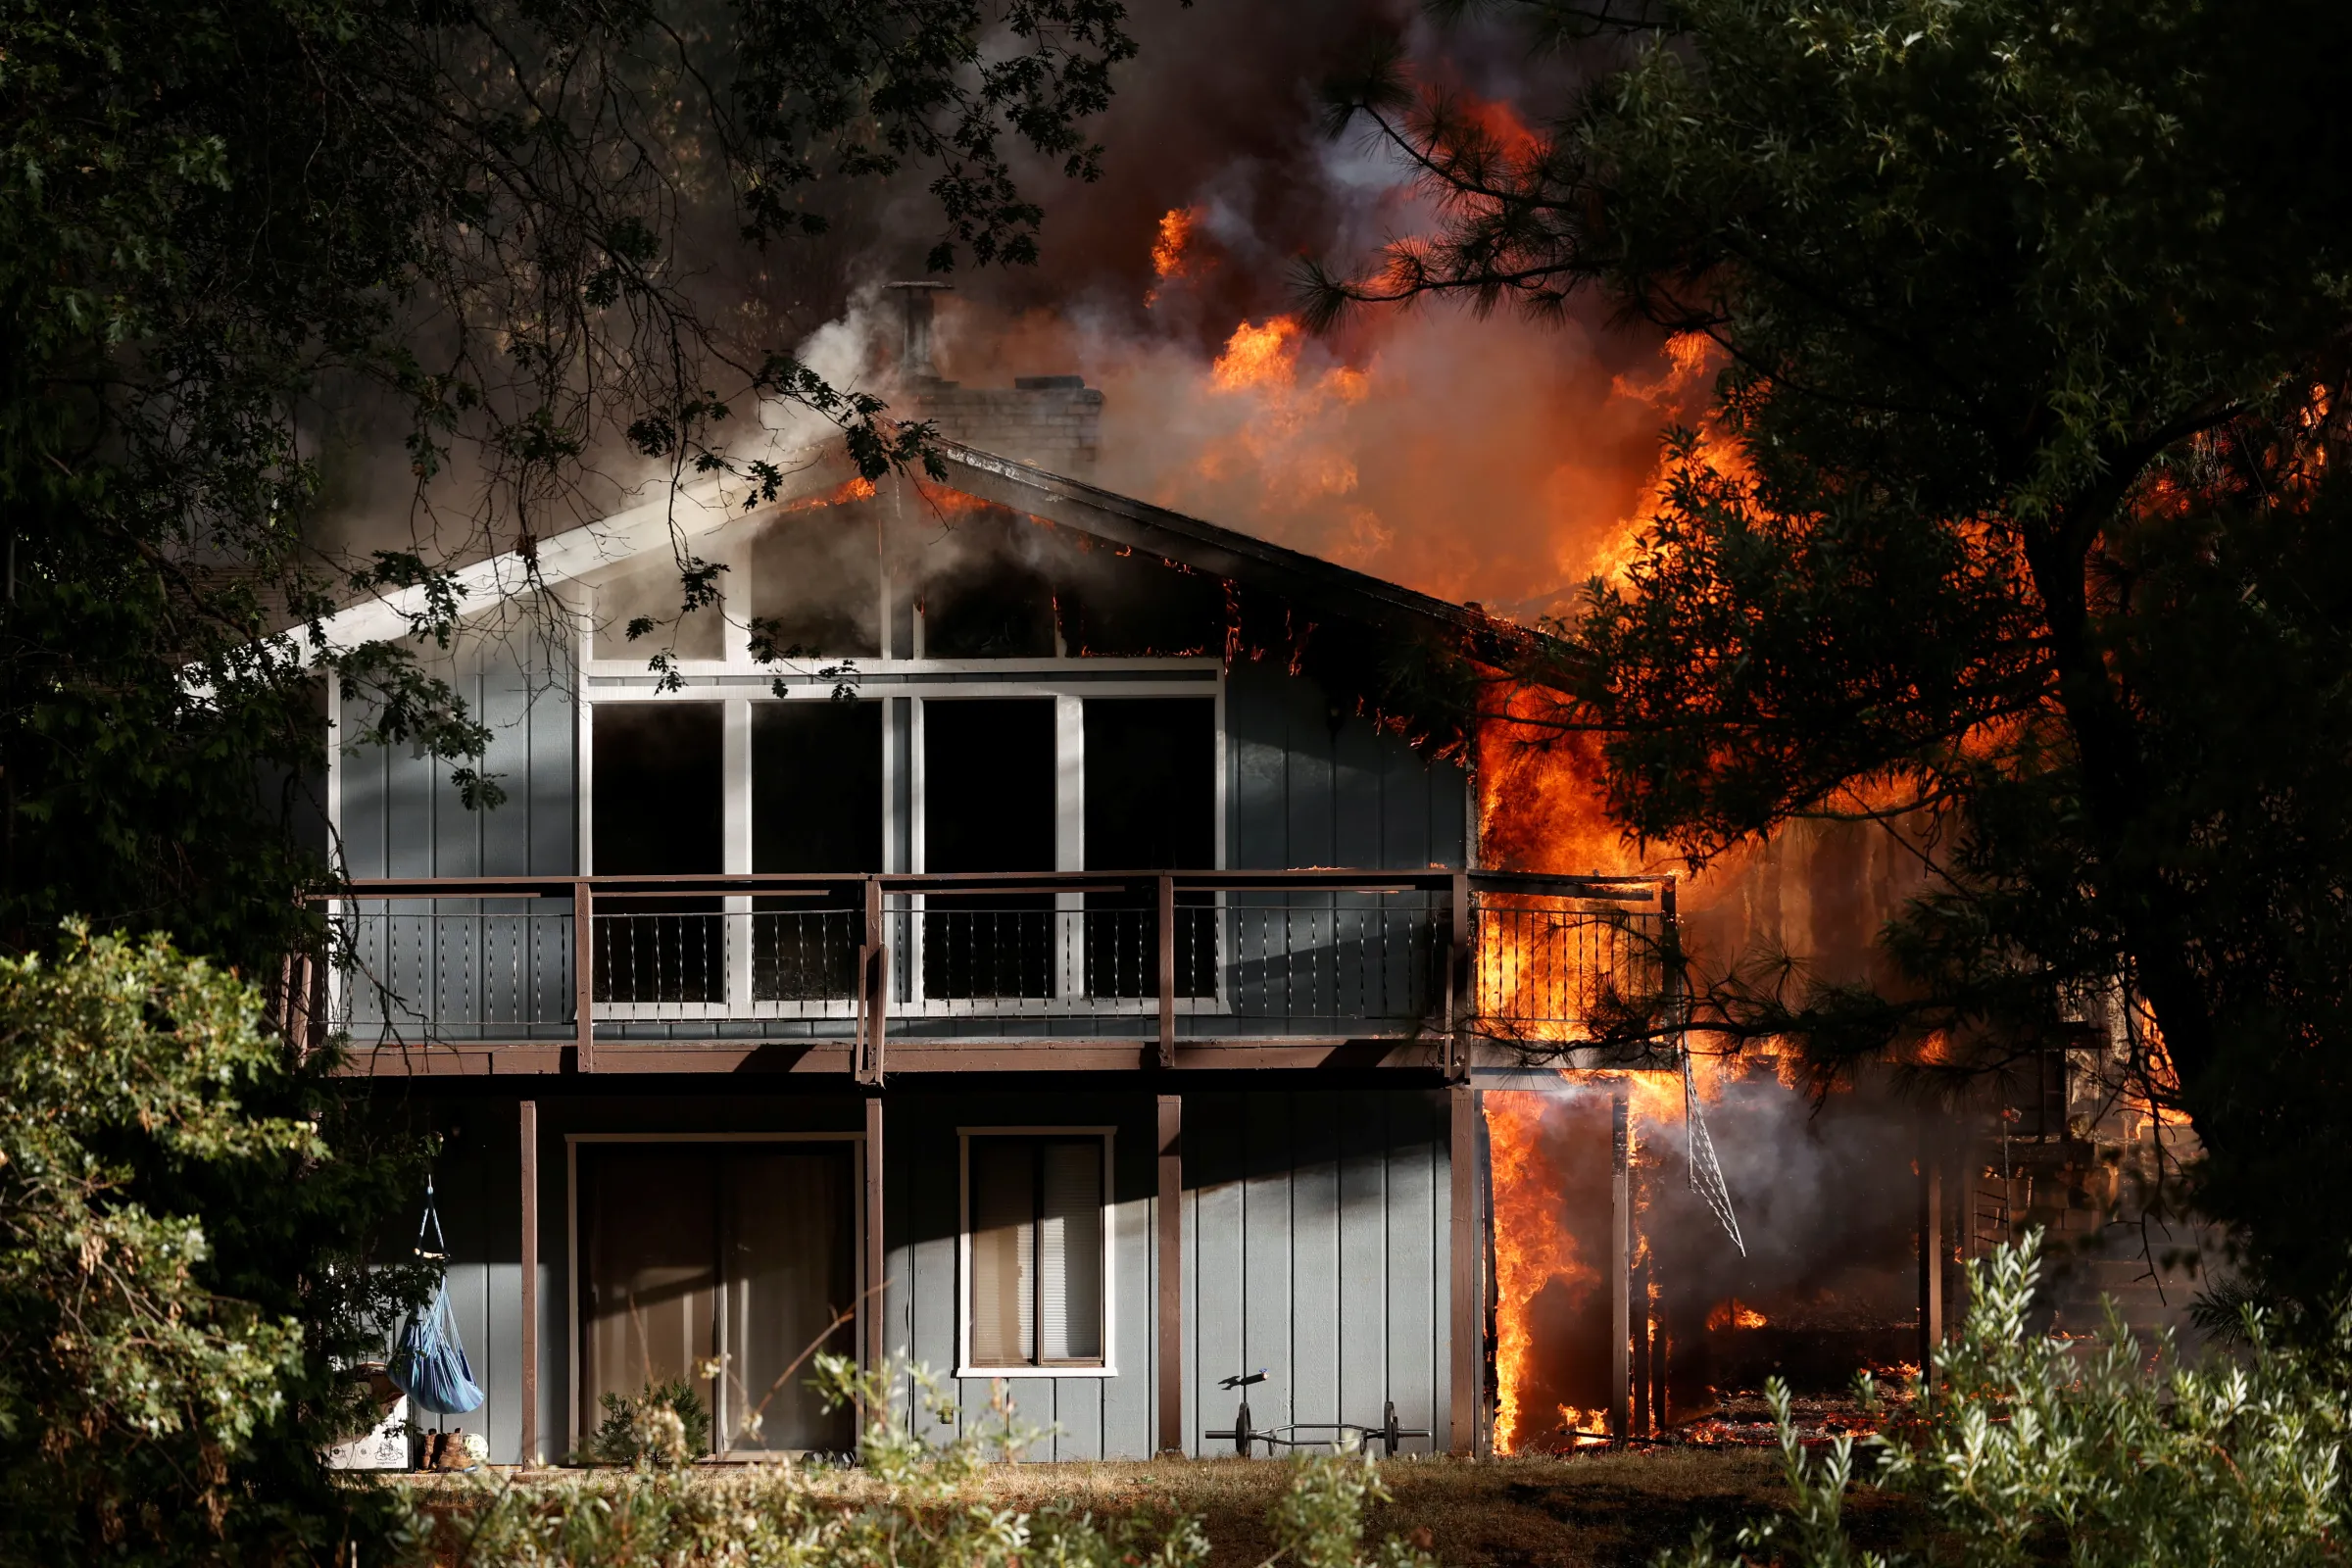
{"x": 2033, "y": 1451}
{"x": 159, "y": 1360}
{"x": 667, "y": 1424}
{"x": 913, "y": 1504}
{"x": 1319, "y": 1522}
{"x": 2017, "y": 524}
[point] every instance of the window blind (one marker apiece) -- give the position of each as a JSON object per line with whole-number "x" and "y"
{"x": 1036, "y": 1247}
{"x": 1070, "y": 1252}
{"x": 1003, "y": 1251}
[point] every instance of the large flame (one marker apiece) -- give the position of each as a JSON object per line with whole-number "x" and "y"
{"x": 1536, "y": 1245}
{"x": 1532, "y": 1251}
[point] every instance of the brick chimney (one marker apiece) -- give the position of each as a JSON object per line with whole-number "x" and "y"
{"x": 1055, "y": 422}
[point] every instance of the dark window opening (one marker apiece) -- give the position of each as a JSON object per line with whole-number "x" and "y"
{"x": 1134, "y": 606}
{"x": 1151, "y": 806}
{"x": 817, "y": 806}
{"x": 660, "y": 810}
{"x": 989, "y": 607}
{"x": 988, "y": 806}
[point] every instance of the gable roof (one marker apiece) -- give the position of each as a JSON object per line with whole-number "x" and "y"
{"x": 694, "y": 508}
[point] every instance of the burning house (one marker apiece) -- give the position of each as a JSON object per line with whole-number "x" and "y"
{"x": 1020, "y": 929}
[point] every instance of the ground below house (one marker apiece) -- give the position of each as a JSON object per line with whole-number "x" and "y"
{"x": 1586, "y": 1510}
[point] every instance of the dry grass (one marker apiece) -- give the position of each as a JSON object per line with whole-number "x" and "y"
{"x": 1600, "y": 1509}
{"x": 1593, "y": 1508}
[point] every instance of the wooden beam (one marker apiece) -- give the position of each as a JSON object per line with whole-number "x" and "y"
{"x": 1621, "y": 1267}
{"x": 1170, "y": 1326}
{"x": 1466, "y": 1332}
{"x": 528, "y": 1133}
{"x": 877, "y": 1259}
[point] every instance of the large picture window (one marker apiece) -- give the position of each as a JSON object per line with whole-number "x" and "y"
{"x": 1036, "y": 1287}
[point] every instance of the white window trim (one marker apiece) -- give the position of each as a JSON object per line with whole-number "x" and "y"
{"x": 964, "y": 1367}
{"x": 576, "y": 1417}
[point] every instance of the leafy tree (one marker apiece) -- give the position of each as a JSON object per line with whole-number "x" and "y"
{"x": 2017, "y": 518}
{"x": 241, "y": 243}
{"x": 167, "y": 1378}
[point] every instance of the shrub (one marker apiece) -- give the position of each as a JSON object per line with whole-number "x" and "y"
{"x": 908, "y": 1504}
{"x": 665, "y": 1425}
{"x": 2105, "y": 1455}
{"x": 165, "y": 1380}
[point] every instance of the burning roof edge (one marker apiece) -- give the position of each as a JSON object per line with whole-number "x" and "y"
{"x": 1202, "y": 544}
{"x": 698, "y": 507}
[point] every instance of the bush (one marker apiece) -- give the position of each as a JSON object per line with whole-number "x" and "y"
{"x": 166, "y": 1379}
{"x": 907, "y": 1505}
{"x": 2103, "y": 1455}
{"x": 665, "y": 1425}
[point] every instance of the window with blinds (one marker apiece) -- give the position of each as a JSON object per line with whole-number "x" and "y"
{"x": 1034, "y": 1230}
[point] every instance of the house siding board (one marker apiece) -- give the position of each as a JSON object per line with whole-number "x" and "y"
{"x": 1307, "y": 791}
{"x": 1361, "y": 1272}
{"x": 1268, "y": 1322}
{"x": 477, "y": 1190}
{"x": 1316, "y": 1323}
{"x": 403, "y": 816}
{"x": 1316, "y": 1251}
{"x": 1418, "y": 1250}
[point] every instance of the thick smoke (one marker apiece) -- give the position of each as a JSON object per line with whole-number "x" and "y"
{"x": 1476, "y": 459}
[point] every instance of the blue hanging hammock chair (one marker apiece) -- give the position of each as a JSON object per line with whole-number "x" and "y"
{"x": 428, "y": 1364}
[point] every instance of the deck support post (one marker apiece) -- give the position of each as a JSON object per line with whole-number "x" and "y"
{"x": 877, "y": 1259}
{"x": 1621, "y": 1265}
{"x": 528, "y": 1137}
{"x": 1465, "y": 1327}
{"x": 583, "y": 971}
{"x": 1170, "y": 1226}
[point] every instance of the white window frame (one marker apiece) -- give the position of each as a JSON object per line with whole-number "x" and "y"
{"x": 964, "y": 1367}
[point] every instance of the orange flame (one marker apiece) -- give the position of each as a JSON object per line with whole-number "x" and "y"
{"x": 1168, "y": 258}
{"x": 1734, "y": 1314}
{"x": 1532, "y": 1250}
{"x": 1175, "y": 258}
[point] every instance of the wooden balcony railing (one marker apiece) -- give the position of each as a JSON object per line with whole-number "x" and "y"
{"x": 1147, "y": 958}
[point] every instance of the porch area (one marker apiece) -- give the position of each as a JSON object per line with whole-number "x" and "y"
{"x": 868, "y": 974}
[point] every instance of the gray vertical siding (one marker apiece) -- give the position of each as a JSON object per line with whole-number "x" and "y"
{"x": 478, "y": 1191}
{"x": 401, "y": 816}
{"x": 1085, "y": 1417}
{"x": 1307, "y": 789}
{"x": 1317, "y": 1245}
